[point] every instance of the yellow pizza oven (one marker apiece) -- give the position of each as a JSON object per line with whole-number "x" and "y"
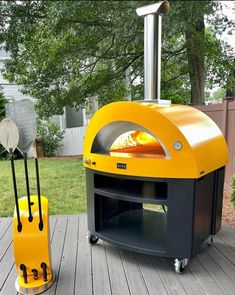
{"x": 155, "y": 171}
{"x": 155, "y": 178}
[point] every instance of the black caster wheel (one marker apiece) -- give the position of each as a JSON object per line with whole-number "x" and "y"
{"x": 92, "y": 239}
{"x": 180, "y": 265}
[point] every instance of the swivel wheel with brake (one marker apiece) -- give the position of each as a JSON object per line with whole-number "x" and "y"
{"x": 92, "y": 239}
{"x": 180, "y": 264}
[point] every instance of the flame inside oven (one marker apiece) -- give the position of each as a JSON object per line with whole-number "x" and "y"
{"x": 137, "y": 143}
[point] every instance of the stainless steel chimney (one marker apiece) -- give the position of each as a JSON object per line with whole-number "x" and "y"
{"x": 152, "y": 47}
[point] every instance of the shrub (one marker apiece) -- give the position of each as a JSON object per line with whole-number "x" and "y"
{"x": 233, "y": 191}
{"x": 50, "y": 133}
{"x": 3, "y": 152}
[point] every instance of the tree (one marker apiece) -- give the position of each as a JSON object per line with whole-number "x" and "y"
{"x": 219, "y": 94}
{"x": 208, "y": 59}
{"x": 230, "y": 87}
{"x": 2, "y": 104}
{"x": 67, "y": 52}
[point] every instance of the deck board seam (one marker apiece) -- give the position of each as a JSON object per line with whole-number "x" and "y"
{"x": 7, "y": 276}
{"x": 76, "y": 259}
{"x": 168, "y": 262}
{"x": 157, "y": 270}
{"x": 210, "y": 276}
{"x": 52, "y": 236}
{"x": 6, "y": 251}
{"x": 124, "y": 270}
{"x": 59, "y": 268}
{"x": 219, "y": 265}
{"x": 141, "y": 273}
{"x": 160, "y": 275}
{"x": 229, "y": 229}
{"x": 225, "y": 256}
{"x": 3, "y": 234}
{"x": 92, "y": 272}
{"x": 105, "y": 252}
{"x": 204, "y": 291}
{"x": 225, "y": 244}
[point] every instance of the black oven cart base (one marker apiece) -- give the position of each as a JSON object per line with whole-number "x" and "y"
{"x": 157, "y": 216}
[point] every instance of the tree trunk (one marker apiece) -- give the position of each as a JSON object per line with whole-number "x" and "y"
{"x": 196, "y": 61}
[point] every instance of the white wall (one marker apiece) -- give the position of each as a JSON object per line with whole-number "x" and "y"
{"x": 72, "y": 144}
{"x": 11, "y": 91}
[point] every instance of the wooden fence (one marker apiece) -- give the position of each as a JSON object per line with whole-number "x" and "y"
{"x": 72, "y": 143}
{"x": 223, "y": 115}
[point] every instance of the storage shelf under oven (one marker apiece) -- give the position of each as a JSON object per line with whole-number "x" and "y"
{"x": 132, "y": 189}
{"x": 138, "y": 229}
{"x": 122, "y": 195}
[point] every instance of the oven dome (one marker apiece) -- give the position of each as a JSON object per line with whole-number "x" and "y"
{"x": 175, "y": 141}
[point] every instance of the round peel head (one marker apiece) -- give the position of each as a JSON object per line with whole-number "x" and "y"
{"x": 9, "y": 135}
{"x": 23, "y": 113}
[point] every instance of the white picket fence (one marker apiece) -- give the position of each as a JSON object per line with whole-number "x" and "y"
{"x": 72, "y": 144}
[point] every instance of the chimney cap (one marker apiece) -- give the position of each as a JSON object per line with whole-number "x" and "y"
{"x": 161, "y": 8}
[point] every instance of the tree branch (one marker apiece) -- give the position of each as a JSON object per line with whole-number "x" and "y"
{"x": 172, "y": 79}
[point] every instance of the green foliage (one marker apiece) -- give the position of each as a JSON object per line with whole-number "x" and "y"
{"x": 64, "y": 53}
{"x": 3, "y": 152}
{"x": 50, "y": 133}
{"x": 233, "y": 191}
{"x": 230, "y": 91}
{"x": 2, "y": 104}
{"x": 219, "y": 94}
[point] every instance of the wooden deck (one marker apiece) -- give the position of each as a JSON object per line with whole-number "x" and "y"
{"x": 105, "y": 269}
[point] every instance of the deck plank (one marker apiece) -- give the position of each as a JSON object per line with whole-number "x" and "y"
{"x": 151, "y": 276}
{"x": 223, "y": 262}
{"x": 83, "y": 280}
{"x": 188, "y": 281}
{"x": 104, "y": 269}
{"x": 57, "y": 250}
{"x": 225, "y": 249}
{"x": 68, "y": 263}
{"x": 101, "y": 280}
{"x": 116, "y": 271}
{"x": 208, "y": 284}
{"x": 133, "y": 273}
{"x": 9, "y": 285}
{"x": 228, "y": 231}
{"x": 5, "y": 223}
{"x": 168, "y": 276}
{"x": 217, "y": 273}
{"x": 6, "y": 266}
{"x": 5, "y": 242}
{"x": 227, "y": 236}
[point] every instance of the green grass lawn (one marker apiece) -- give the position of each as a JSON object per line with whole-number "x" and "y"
{"x": 62, "y": 182}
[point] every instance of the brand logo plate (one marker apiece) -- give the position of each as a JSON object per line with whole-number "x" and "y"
{"x": 121, "y": 165}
